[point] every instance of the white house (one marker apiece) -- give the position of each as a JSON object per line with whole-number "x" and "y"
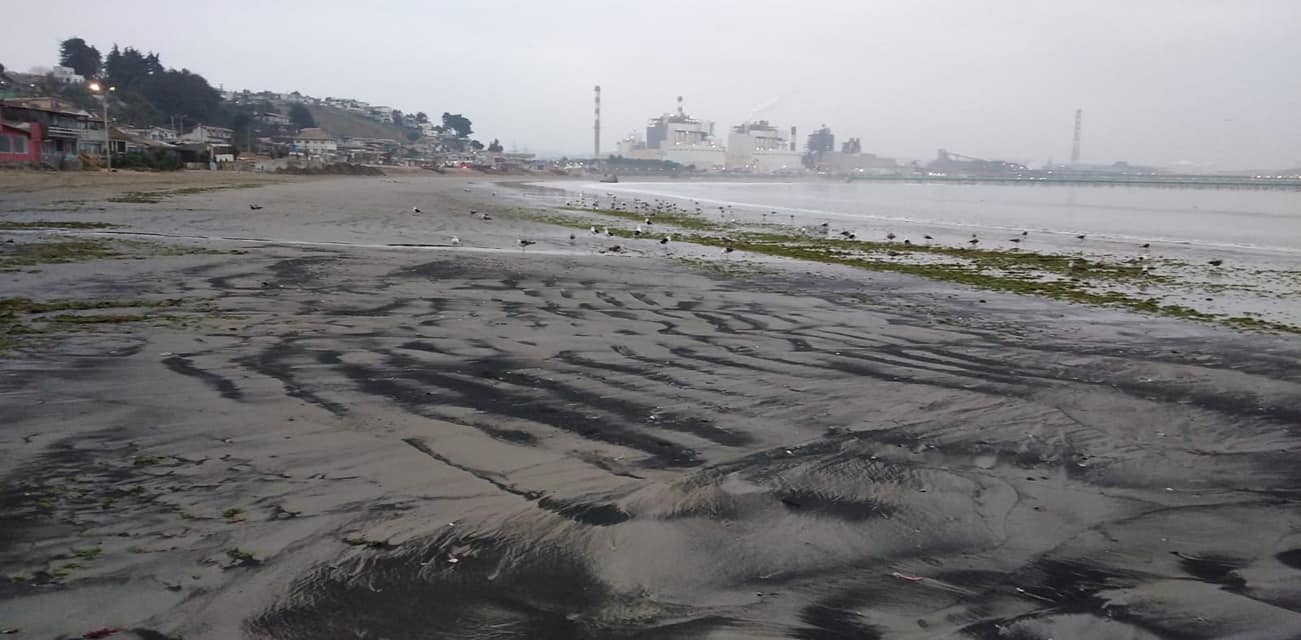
{"x": 67, "y": 75}
{"x": 315, "y": 143}
{"x": 209, "y": 134}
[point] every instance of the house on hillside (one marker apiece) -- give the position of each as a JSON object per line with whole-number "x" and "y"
{"x": 60, "y": 127}
{"x": 314, "y": 144}
{"x": 67, "y": 75}
{"x": 273, "y": 119}
{"x": 383, "y": 114}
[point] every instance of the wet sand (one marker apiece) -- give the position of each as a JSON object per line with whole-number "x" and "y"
{"x": 334, "y": 436}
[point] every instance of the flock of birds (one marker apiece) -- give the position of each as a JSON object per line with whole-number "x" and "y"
{"x": 649, "y": 209}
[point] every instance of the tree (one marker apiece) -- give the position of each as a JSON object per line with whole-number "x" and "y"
{"x": 495, "y": 147}
{"x": 421, "y": 117}
{"x": 301, "y": 117}
{"x": 397, "y": 117}
{"x": 83, "y": 58}
{"x": 458, "y": 123}
{"x": 476, "y": 145}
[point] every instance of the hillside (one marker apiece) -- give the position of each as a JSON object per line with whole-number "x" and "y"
{"x": 347, "y": 124}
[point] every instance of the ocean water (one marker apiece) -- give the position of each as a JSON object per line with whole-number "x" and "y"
{"x": 1254, "y": 221}
{"x": 1255, "y": 233}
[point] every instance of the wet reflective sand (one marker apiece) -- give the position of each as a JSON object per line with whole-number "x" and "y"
{"x": 554, "y": 443}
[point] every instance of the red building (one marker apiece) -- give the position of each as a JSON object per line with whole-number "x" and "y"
{"x": 20, "y": 143}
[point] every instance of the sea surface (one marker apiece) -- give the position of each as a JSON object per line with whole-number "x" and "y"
{"x": 1255, "y": 220}
{"x": 1256, "y": 234}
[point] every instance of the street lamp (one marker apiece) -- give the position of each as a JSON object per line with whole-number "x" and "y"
{"x": 108, "y": 143}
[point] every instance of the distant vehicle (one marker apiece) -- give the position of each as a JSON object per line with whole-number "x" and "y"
{"x": 610, "y": 178}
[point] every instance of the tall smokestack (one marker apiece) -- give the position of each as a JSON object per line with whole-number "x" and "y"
{"x": 793, "y": 143}
{"x": 1075, "y": 149}
{"x": 680, "y": 112}
{"x": 596, "y": 127}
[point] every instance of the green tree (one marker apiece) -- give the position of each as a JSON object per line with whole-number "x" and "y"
{"x": 397, "y": 117}
{"x": 412, "y": 136}
{"x": 301, "y": 117}
{"x": 83, "y": 58}
{"x": 476, "y": 145}
{"x": 495, "y": 146}
{"x": 421, "y": 117}
{"x": 458, "y": 123}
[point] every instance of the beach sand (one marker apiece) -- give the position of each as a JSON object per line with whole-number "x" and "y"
{"x": 337, "y": 422}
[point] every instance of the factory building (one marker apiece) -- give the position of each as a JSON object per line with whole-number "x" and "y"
{"x": 759, "y": 147}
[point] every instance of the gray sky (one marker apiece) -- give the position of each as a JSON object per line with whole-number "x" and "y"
{"x": 1160, "y": 81}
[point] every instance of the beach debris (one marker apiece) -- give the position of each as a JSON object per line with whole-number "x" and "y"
{"x": 890, "y": 236}
{"x": 1145, "y": 245}
{"x": 255, "y": 207}
{"x": 1215, "y": 263}
{"x": 571, "y": 237}
{"x": 974, "y": 241}
{"x": 614, "y": 248}
{"x": 451, "y": 559}
{"x": 1080, "y": 236}
{"x": 1014, "y": 240}
{"x": 10, "y": 631}
{"x": 727, "y": 250}
{"x": 103, "y": 632}
{"x": 485, "y": 217}
{"x": 901, "y": 576}
{"x": 928, "y": 237}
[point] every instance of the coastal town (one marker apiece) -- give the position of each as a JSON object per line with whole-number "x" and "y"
{"x": 127, "y": 110}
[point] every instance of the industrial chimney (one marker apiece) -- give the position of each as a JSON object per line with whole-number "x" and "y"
{"x": 1075, "y": 149}
{"x": 596, "y": 127}
{"x": 793, "y": 142}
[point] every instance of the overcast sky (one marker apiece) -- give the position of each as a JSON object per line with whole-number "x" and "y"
{"x": 1160, "y": 81}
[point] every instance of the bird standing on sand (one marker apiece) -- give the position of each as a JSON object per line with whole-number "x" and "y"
{"x": 1025, "y": 233}
{"x": 665, "y": 240}
{"x": 974, "y": 241}
{"x": 415, "y": 209}
{"x": 1015, "y": 241}
{"x": 608, "y": 233}
{"x": 928, "y": 237}
{"x": 594, "y": 231}
{"x": 637, "y": 231}
{"x": 1080, "y": 237}
{"x": 525, "y": 244}
{"x": 890, "y": 236}
{"x": 255, "y": 207}
{"x": 456, "y": 242}
{"x": 1215, "y": 263}
{"x": 1145, "y": 245}
{"x": 571, "y": 238}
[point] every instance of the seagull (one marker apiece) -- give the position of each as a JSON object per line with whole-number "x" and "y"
{"x": 571, "y": 237}
{"x": 907, "y": 242}
{"x": 484, "y": 216}
{"x": 727, "y": 250}
{"x": 928, "y": 237}
{"x": 637, "y": 231}
{"x": 890, "y": 236}
{"x": 974, "y": 241}
{"x": 1145, "y": 245}
{"x": 1215, "y": 263}
{"x": 614, "y": 248}
{"x": 525, "y": 244}
{"x": 665, "y": 239}
{"x": 1015, "y": 240}
{"x": 1144, "y": 271}
{"x": 594, "y": 231}
{"x": 255, "y": 207}
{"x": 648, "y": 222}
{"x": 1025, "y": 233}
{"x": 608, "y": 232}
{"x": 415, "y": 209}
{"x": 456, "y": 242}
{"x": 1080, "y": 237}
